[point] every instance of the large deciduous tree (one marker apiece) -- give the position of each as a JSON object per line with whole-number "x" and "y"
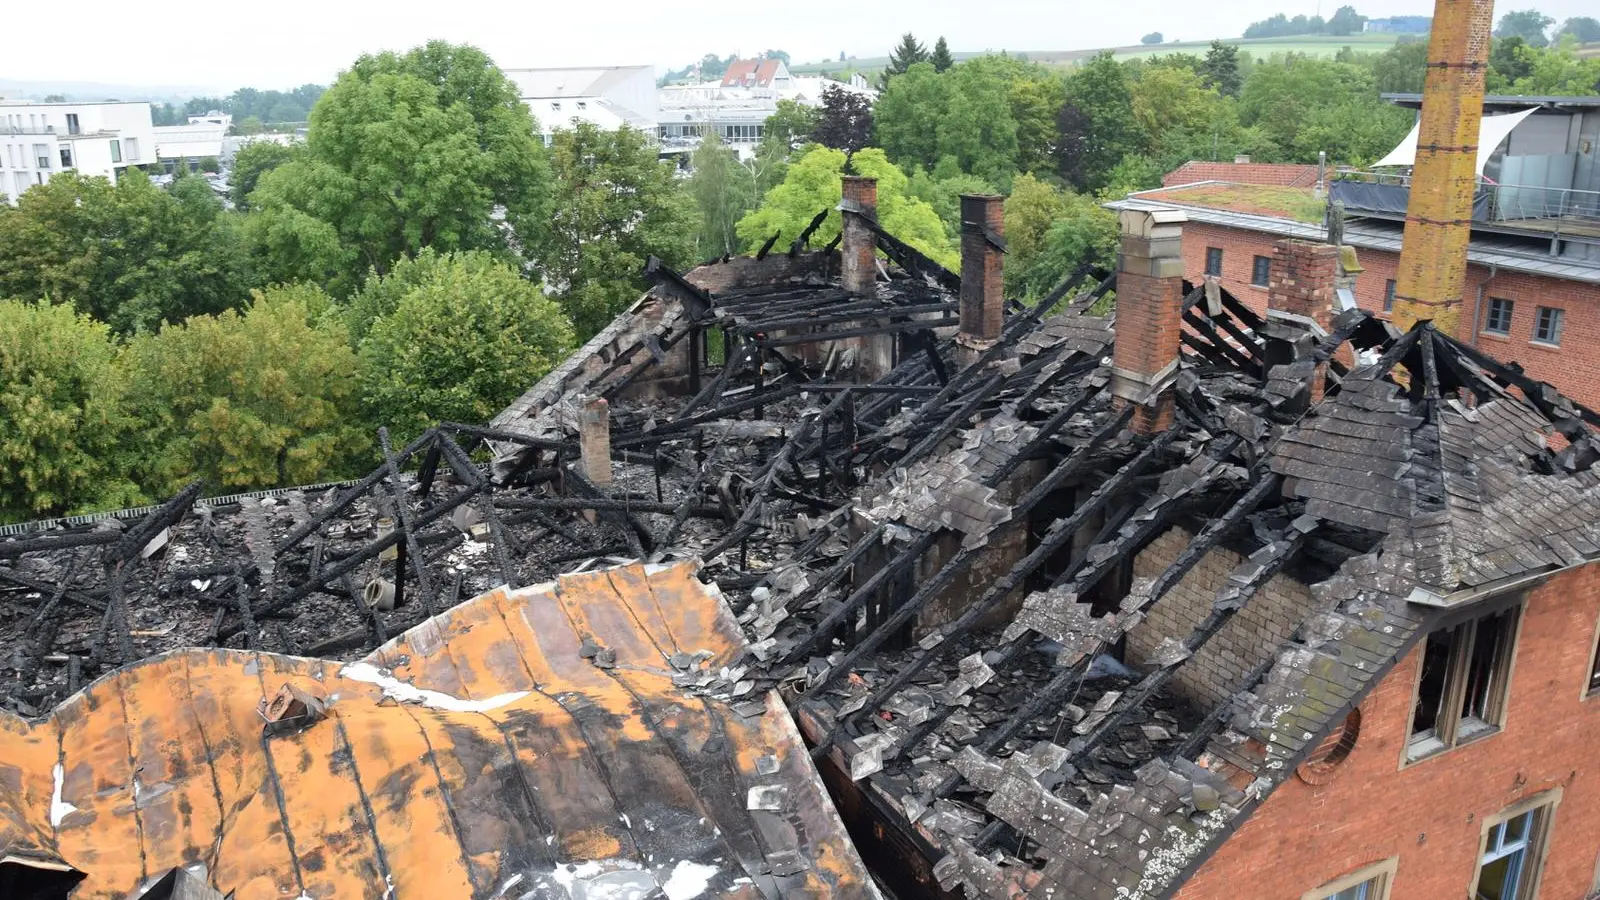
{"x": 262, "y": 398}
{"x": 723, "y": 192}
{"x": 616, "y": 205}
{"x": 64, "y": 420}
{"x": 456, "y": 338}
{"x": 130, "y": 254}
{"x": 908, "y": 113}
{"x": 1096, "y": 126}
{"x": 1346, "y": 21}
{"x": 1583, "y": 29}
{"x": 1309, "y": 105}
{"x": 411, "y": 151}
{"x": 1531, "y": 25}
{"x": 250, "y": 163}
{"x": 813, "y": 184}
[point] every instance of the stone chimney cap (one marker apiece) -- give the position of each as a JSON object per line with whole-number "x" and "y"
{"x": 1152, "y": 223}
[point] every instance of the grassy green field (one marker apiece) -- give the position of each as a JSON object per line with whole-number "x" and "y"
{"x": 1308, "y": 44}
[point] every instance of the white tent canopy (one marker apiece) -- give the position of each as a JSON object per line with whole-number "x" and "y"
{"x": 1491, "y": 134}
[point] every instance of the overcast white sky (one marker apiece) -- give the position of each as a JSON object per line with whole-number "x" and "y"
{"x": 288, "y": 42}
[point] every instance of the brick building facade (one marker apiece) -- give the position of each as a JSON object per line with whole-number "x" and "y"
{"x": 1422, "y": 824}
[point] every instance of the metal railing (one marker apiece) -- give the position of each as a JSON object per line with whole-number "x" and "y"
{"x": 1493, "y": 202}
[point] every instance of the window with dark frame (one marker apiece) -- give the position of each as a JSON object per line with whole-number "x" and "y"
{"x": 1214, "y": 261}
{"x": 1461, "y": 692}
{"x": 1261, "y": 271}
{"x": 1547, "y": 327}
{"x": 1509, "y": 866}
{"x": 1498, "y": 318}
{"x": 1388, "y": 295}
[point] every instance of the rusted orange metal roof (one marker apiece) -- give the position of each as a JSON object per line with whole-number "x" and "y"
{"x": 489, "y": 753}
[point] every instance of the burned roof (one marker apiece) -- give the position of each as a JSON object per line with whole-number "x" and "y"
{"x": 568, "y": 738}
{"x": 928, "y": 544}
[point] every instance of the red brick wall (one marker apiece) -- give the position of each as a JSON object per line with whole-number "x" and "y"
{"x": 1570, "y": 367}
{"x": 1430, "y": 814}
{"x": 1241, "y": 173}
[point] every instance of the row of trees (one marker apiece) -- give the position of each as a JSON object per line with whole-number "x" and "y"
{"x": 422, "y": 257}
{"x": 1345, "y": 21}
{"x": 286, "y": 389}
{"x": 247, "y": 105}
{"x": 1533, "y": 27}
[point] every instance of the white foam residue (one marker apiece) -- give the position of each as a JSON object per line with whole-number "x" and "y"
{"x": 408, "y": 693}
{"x": 59, "y": 809}
{"x": 689, "y": 880}
{"x": 511, "y": 882}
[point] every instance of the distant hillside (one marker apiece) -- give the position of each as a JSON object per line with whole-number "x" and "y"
{"x": 1312, "y": 45}
{"x": 16, "y": 89}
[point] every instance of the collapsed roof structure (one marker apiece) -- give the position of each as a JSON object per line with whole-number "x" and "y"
{"x": 1057, "y": 595}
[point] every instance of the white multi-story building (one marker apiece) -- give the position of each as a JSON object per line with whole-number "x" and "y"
{"x": 40, "y": 140}
{"x": 606, "y": 96}
{"x": 736, "y": 109}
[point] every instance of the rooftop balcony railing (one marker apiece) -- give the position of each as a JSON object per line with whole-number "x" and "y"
{"x": 1563, "y": 213}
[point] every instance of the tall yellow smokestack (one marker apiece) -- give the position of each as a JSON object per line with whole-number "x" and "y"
{"x": 1433, "y": 262}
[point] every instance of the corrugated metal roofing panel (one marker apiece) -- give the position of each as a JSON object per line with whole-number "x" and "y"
{"x": 486, "y": 753}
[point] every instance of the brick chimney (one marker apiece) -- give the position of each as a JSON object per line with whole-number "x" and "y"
{"x": 1149, "y": 315}
{"x": 983, "y": 220}
{"x": 858, "y": 245}
{"x": 1300, "y": 295}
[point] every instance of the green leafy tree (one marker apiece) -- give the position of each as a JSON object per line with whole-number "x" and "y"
{"x": 941, "y": 58}
{"x": 723, "y": 192}
{"x": 64, "y": 420}
{"x": 1401, "y": 69}
{"x": 813, "y": 185}
{"x": 1346, "y": 21}
{"x": 1531, "y": 25}
{"x": 1510, "y": 61}
{"x": 1221, "y": 69}
{"x": 460, "y": 336}
{"x": 943, "y": 192}
{"x": 1309, "y": 105}
{"x": 1036, "y": 99}
{"x": 977, "y": 128}
{"x": 1096, "y": 127}
{"x": 1583, "y": 29}
{"x": 790, "y": 124}
{"x": 130, "y": 254}
{"x": 249, "y": 125}
{"x": 907, "y": 115}
{"x": 1180, "y": 117}
{"x": 1553, "y": 71}
{"x": 412, "y": 151}
{"x": 251, "y": 162}
{"x": 1049, "y": 231}
{"x": 1153, "y": 37}
{"x": 616, "y": 205}
{"x": 262, "y": 398}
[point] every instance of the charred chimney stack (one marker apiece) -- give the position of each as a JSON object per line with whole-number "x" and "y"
{"x": 858, "y": 245}
{"x": 983, "y": 222}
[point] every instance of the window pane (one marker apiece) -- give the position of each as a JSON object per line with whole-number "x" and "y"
{"x": 1430, "y": 689}
{"x": 1516, "y": 830}
{"x": 1362, "y": 891}
{"x": 1497, "y": 880}
{"x": 1485, "y": 668}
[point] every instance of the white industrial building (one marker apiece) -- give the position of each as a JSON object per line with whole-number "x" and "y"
{"x": 606, "y": 96}
{"x": 40, "y": 140}
{"x": 186, "y": 145}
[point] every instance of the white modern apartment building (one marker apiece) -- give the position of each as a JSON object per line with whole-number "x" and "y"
{"x": 186, "y": 145}
{"x": 41, "y": 140}
{"x": 606, "y": 96}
